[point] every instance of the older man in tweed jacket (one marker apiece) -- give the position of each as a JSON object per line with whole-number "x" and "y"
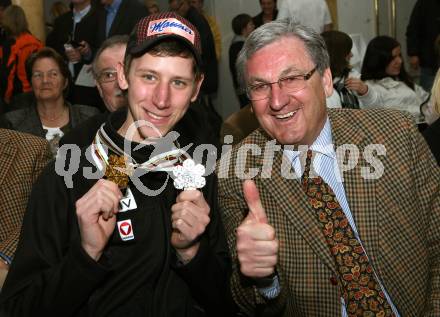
{"x": 389, "y": 193}
{"x": 22, "y": 157}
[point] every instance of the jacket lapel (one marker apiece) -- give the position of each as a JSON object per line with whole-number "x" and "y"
{"x": 292, "y": 201}
{"x": 32, "y": 123}
{"x": 8, "y": 151}
{"x": 360, "y": 192}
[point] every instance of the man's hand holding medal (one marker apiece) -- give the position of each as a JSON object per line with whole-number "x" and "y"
{"x": 190, "y": 213}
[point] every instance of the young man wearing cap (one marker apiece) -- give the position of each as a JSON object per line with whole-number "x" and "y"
{"x": 120, "y": 245}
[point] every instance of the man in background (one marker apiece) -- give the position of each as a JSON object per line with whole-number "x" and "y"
{"x": 73, "y": 38}
{"x": 119, "y": 17}
{"x": 269, "y": 12}
{"x": 198, "y": 4}
{"x": 423, "y": 40}
{"x": 104, "y": 65}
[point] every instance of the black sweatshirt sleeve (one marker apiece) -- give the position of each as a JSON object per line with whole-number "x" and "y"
{"x": 208, "y": 273}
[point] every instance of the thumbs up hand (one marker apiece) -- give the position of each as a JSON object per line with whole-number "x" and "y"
{"x": 257, "y": 247}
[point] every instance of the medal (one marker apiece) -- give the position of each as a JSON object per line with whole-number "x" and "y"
{"x": 119, "y": 167}
{"x": 116, "y": 170}
{"x": 189, "y": 175}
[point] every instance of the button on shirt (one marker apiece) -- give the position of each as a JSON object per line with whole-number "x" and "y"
{"x": 325, "y": 165}
{"x": 111, "y": 14}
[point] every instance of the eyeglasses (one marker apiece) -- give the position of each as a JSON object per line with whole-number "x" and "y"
{"x": 51, "y": 74}
{"x": 106, "y": 76}
{"x": 290, "y": 84}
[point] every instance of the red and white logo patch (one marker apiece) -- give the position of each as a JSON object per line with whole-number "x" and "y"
{"x": 125, "y": 230}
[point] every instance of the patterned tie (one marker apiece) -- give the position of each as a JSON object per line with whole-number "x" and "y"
{"x": 361, "y": 291}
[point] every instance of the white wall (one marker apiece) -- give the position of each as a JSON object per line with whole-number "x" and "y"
{"x": 356, "y": 17}
{"x": 225, "y": 11}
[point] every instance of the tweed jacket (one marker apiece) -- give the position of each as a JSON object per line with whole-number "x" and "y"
{"x": 22, "y": 157}
{"x": 397, "y": 217}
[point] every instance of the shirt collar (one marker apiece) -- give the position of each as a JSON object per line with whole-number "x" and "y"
{"x": 114, "y": 6}
{"x": 323, "y": 143}
{"x": 78, "y": 15}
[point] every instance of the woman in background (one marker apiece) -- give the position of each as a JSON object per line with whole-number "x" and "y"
{"x": 50, "y": 116}
{"x": 19, "y": 45}
{"x": 339, "y": 45}
{"x": 388, "y": 84}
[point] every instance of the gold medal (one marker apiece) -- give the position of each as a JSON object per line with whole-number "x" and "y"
{"x": 116, "y": 170}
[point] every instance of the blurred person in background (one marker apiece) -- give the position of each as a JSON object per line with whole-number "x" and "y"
{"x": 421, "y": 34}
{"x": 50, "y": 116}
{"x": 339, "y": 45}
{"x": 152, "y": 7}
{"x": 269, "y": 12}
{"x": 242, "y": 25}
{"x": 20, "y": 43}
{"x": 215, "y": 29}
{"x": 104, "y": 66}
{"x": 385, "y": 82}
{"x": 432, "y": 132}
{"x": 118, "y": 17}
{"x": 57, "y": 9}
{"x": 74, "y": 37}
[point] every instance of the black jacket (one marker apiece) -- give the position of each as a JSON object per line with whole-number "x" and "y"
{"x": 432, "y": 136}
{"x": 423, "y": 28}
{"x": 83, "y": 134}
{"x": 234, "y": 50}
{"x": 210, "y": 65}
{"x": 129, "y": 13}
{"x": 258, "y": 19}
{"x": 84, "y": 31}
{"x": 63, "y": 32}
